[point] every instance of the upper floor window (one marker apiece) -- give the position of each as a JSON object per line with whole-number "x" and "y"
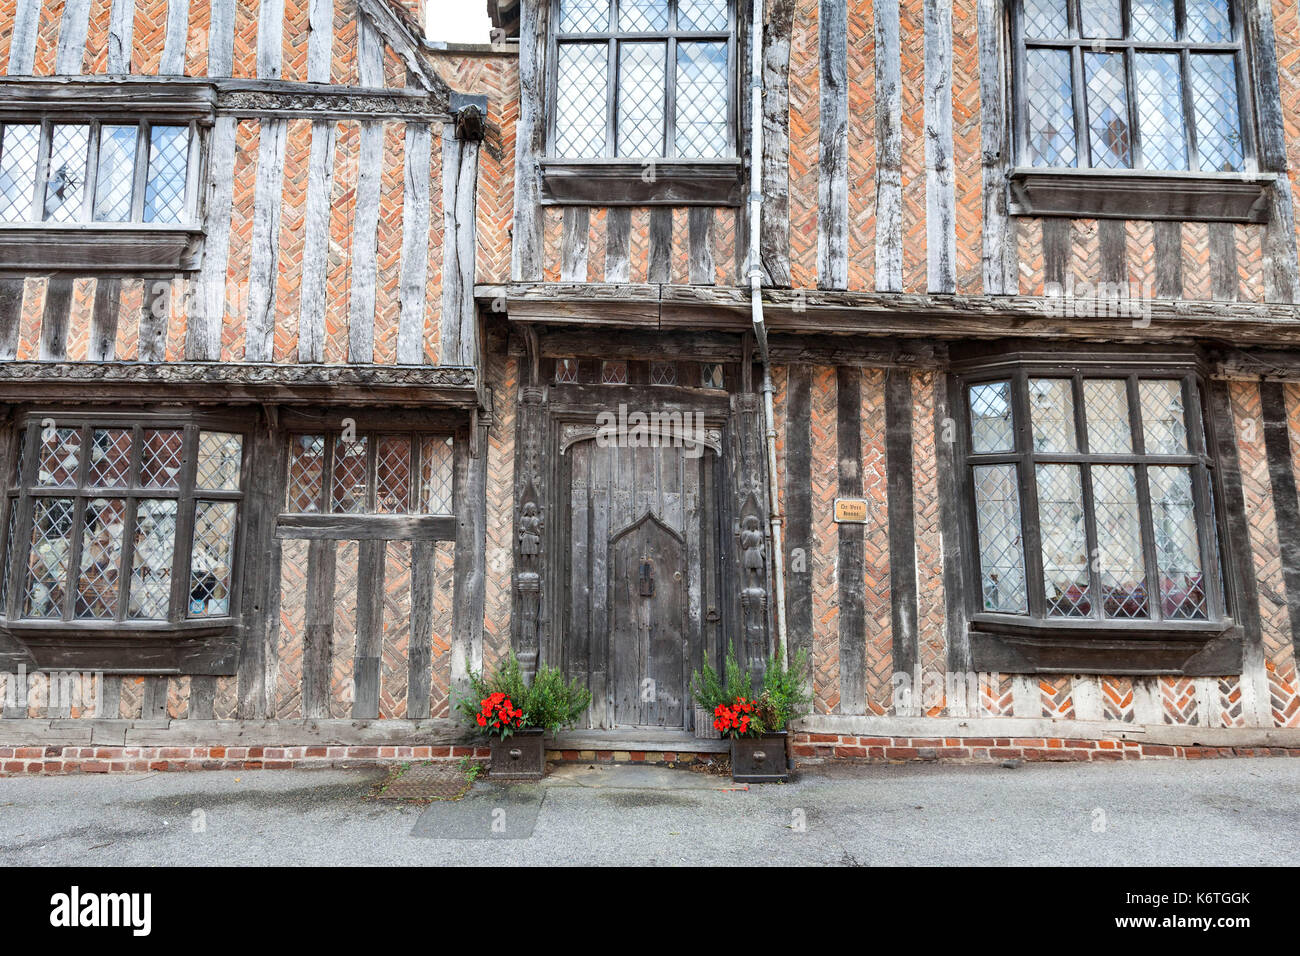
{"x": 1091, "y": 498}
{"x": 1155, "y": 85}
{"x": 642, "y": 79}
{"x": 102, "y": 172}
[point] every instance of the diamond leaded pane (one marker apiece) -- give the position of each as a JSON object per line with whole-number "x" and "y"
{"x": 151, "y": 559}
{"x": 58, "y": 457}
{"x": 701, "y": 100}
{"x": 219, "y": 458}
{"x": 581, "y": 91}
{"x": 67, "y": 173}
{"x": 643, "y": 16}
{"x": 702, "y": 15}
{"x": 1164, "y": 424}
{"x": 1178, "y": 552}
{"x": 1120, "y": 564}
{"x": 210, "y": 560}
{"x": 19, "y": 148}
{"x": 1214, "y": 104}
{"x": 1064, "y": 540}
{"x": 613, "y": 373}
{"x": 1002, "y": 556}
{"x": 161, "y": 457}
{"x": 47, "y": 562}
{"x": 306, "y": 473}
{"x": 1108, "y": 124}
{"x": 1100, "y": 18}
{"x": 711, "y": 375}
{"x": 1160, "y": 110}
{"x": 584, "y": 16}
{"x": 1152, "y": 20}
{"x": 1105, "y": 404}
{"x": 1046, "y": 19}
{"x": 663, "y": 373}
{"x": 566, "y": 372}
{"x": 110, "y": 458}
{"x": 991, "y": 417}
{"x": 115, "y": 181}
{"x": 392, "y": 475}
{"x": 348, "y": 492}
{"x": 1051, "y": 410}
{"x": 1208, "y": 21}
{"x": 1050, "y": 108}
{"x": 164, "y": 191}
{"x": 436, "y": 476}
{"x": 101, "y": 557}
{"x": 641, "y": 113}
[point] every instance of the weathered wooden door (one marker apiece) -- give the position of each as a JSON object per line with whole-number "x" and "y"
{"x": 640, "y": 579}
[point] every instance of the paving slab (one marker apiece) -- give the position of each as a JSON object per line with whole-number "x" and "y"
{"x": 634, "y": 777}
{"x": 488, "y": 812}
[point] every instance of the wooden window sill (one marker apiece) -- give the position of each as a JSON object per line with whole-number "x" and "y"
{"x": 96, "y": 247}
{"x": 1137, "y": 194}
{"x": 603, "y": 182}
{"x": 1013, "y": 645}
{"x": 203, "y": 647}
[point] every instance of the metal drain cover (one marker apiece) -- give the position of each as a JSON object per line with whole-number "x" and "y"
{"x": 427, "y": 782}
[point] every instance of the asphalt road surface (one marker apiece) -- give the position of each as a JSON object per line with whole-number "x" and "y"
{"x": 1212, "y": 812}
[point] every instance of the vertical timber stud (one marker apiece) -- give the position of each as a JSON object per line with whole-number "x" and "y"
{"x": 1286, "y": 507}
{"x": 103, "y": 320}
{"x": 902, "y": 535}
{"x": 618, "y": 244}
{"x": 121, "y": 24}
{"x": 661, "y": 244}
{"x": 833, "y": 183}
{"x": 460, "y": 150}
{"x": 798, "y": 496}
{"x": 469, "y": 567}
{"x": 318, "y": 641}
{"x": 530, "y": 139}
{"x": 532, "y": 512}
{"x": 774, "y": 239}
{"x": 259, "y": 330}
{"x": 415, "y": 245}
{"x": 155, "y": 310}
{"x": 11, "y": 309}
{"x": 574, "y": 244}
{"x": 419, "y": 655}
{"x": 365, "y": 239}
{"x": 316, "y": 226}
{"x": 22, "y": 42}
{"x": 1240, "y": 570}
{"x": 261, "y": 567}
{"x": 1169, "y": 259}
{"x": 72, "y": 36}
{"x": 370, "y": 628}
{"x": 950, "y": 530}
{"x": 178, "y": 22}
{"x": 852, "y": 544}
{"x": 1281, "y": 273}
{"x": 54, "y": 322}
{"x": 999, "y": 233}
{"x": 221, "y": 39}
{"x": 889, "y": 149}
{"x": 941, "y": 204}
{"x": 203, "y": 330}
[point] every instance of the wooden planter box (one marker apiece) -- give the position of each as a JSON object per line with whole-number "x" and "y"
{"x": 704, "y": 726}
{"x": 760, "y": 759}
{"x": 521, "y": 756}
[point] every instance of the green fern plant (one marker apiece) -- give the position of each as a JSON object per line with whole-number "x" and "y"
{"x": 549, "y": 702}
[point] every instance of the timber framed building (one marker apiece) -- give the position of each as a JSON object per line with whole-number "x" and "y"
{"x": 313, "y": 335}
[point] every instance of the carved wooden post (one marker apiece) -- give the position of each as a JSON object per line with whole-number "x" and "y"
{"x": 530, "y": 523}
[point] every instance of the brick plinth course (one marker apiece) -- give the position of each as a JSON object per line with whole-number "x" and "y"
{"x": 825, "y": 747}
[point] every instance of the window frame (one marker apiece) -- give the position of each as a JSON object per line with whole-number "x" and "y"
{"x": 1035, "y": 642}
{"x": 21, "y": 492}
{"x": 374, "y": 436}
{"x": 614, "y": 180}
{"x": 86, "y": 218}
{"x": 1135, "y": 192}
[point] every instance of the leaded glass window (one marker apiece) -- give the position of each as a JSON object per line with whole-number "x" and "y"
{"x": 643, "y": 79}
{"x": 1139, "y": 84}
{"x": 364, "y": 473}
{"x": 109, "y": 172}
{"x": 122, "y": 522}
{"x": 1090, "y": 497}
